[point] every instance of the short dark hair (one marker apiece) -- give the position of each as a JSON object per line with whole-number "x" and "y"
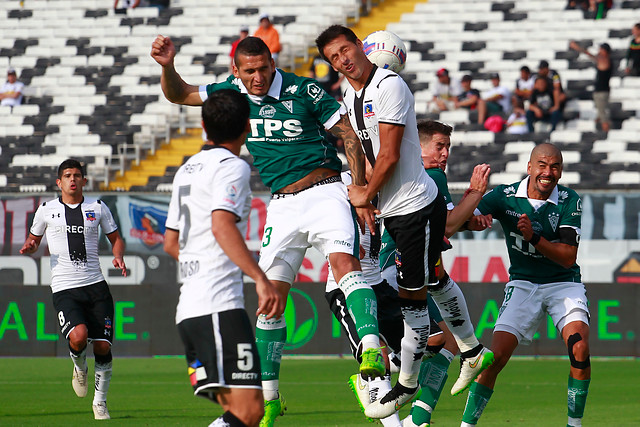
{"x": 224, "y": 115}
{"x": 332, "y": 33}
{"x": 637, "y": 26}
{"x": 429, "y": 128}
{"x": 252, "y": 46}
{"x": 525, "y": 68}
{"x": 70, "y": 164}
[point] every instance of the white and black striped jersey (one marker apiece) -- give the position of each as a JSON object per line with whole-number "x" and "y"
{"x": 72, "y": 235}
{"x": 212, "y": 179}
{"x": 386, "y": 98}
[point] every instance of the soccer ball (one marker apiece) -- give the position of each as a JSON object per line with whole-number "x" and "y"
{"x": 386, "y": 50}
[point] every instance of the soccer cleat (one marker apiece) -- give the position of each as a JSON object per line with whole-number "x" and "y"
{"x": 360, "y": 388}
{"x": 100, "y": 411}
{"x": 470, "y": 369}
{"x": 79, "y": 381}
{"x": 372, "y": 363}
{"x": 408, "y": 422}
{"x": 392, "y": 402}
{"x": 273, "y": 408}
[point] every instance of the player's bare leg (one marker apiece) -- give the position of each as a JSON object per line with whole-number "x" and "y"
{"x": 244, "y": 405}
{"x": 503, "y": 346}
{"x": 78, "y": 352}
{"x": 576, "y": 337}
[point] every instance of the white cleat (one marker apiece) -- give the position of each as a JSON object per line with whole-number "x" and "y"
{"x": 391, "y": 402}
{"x": 408, "y": 422}
{"x": 100, "y": 411}
{"x": 470, "y": 369}
{"x": 79, "y": 381}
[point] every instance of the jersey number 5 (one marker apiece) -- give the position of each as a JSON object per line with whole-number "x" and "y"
{"x": 184, "y": 191}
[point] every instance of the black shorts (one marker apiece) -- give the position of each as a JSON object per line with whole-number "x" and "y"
{"x": 390, "y": 323}
{"x": 221, "y": 352}
{"x": 87, "y": 305}
{"x": 418, "y": 238}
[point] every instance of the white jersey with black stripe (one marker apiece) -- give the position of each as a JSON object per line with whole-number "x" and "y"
{"x": 72, "y": 235}
{"x": 386, "y": 98}
{"x": 213, "y": 179}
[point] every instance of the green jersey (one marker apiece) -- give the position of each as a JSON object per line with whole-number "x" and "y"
{"x": 563, "y": 208}
{"x": 388, "y": 246}
{"x": 288, "y": 139}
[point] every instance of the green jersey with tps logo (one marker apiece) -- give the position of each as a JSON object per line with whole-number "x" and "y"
{"x": 288, "y": 138}
{"x": 563, "y": 208}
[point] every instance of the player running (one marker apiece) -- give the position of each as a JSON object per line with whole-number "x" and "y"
{"x": 381, "y": 108}
{"x": 541, "y": 222}
{"x": 206, "y": 224}
{"x": 288, "y": 118}
{"x": 81, "y": 296}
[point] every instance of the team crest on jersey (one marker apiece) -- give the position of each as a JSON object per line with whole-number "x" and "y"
{"x": 90, "y": 215}
{"x": 236, "y": 82}
{"x": 291, "y": 89}
{"x": 368, "y": 110}
{"x": 288, "y": 105}
{"x": 267, "y": 111}
{"x": 554, "y": 217}
{"x": 510, "y": 189}
{"x": 315, "y": 92}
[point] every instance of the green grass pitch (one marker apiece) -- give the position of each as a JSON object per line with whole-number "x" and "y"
{"x": 155, "y": 391}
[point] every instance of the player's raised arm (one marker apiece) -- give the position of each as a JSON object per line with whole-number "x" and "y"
{"x": 174, "y": 88}
{"x": 117, "y": 248}
{"x": 31, "y": 244}
{"x": 464, "y": 210}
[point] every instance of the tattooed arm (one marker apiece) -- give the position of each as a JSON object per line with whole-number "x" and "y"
{"x": 352, "y": 148}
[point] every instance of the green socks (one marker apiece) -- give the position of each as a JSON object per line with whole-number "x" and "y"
{"x": 432, "y": 378}
{"x": 361, "y": 303}
{"x": 577, "y": 399}
{"x": 271, "y": 334}
{"x": 479, "y": 396}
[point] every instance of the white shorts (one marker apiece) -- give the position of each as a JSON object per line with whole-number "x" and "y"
{"x": 525, "y": 305}
{"x": 319, "y": 216}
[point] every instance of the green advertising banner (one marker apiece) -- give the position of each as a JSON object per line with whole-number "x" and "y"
{"x": 144, "y": 321}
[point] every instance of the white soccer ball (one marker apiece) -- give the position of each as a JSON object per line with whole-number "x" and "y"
{"x": 386, "y": 50}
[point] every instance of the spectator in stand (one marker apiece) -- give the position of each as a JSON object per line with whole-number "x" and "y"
{"x": 633, "y": 54}
{"x": 121, "y": 6}
{"x": 244, "y": 33}
{"x": 11, "y": 91}
{"x": 470, "y": 99}
{"x": 268, "y": 33}
{"x": 555, "y": 83}
{"x": 601, "y": 91}
{"x": 517, "y": 121}
{"x": 542, "y": 106}
{"x": 327, "y": 76}
{"x": 498, "y": 98}
{"x": 445, "y": 92}
{"x": 159, "y": 4}
{"x": 524, "y": 84}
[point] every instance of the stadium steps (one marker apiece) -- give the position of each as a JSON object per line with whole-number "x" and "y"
{"x": 168, "y": 156}
{"x": 382, "y": 14}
